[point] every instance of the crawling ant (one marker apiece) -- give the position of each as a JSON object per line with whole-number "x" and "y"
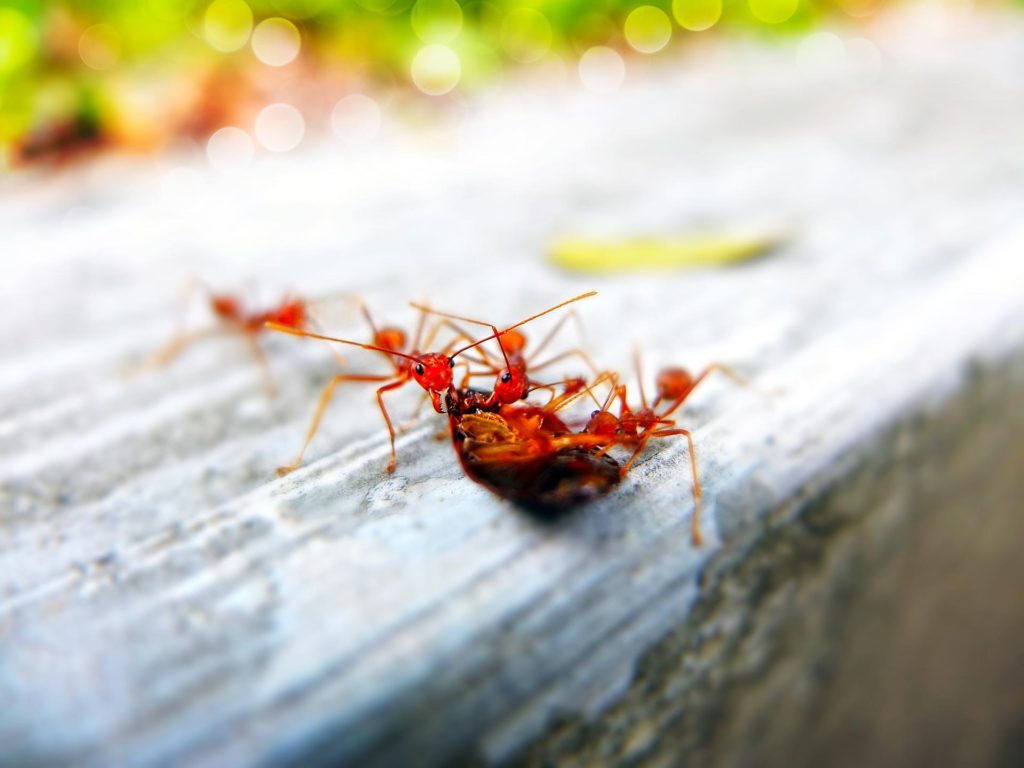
{"x": 234, "y": 318}
{"x": 433, "y": 371}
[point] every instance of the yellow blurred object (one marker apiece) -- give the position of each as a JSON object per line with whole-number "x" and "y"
{"x": 657, "y": 253}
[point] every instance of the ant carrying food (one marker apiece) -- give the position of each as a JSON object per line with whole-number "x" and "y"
{"x": 433, "y": 371}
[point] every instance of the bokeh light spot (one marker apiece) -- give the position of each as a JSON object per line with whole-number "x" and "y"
{"x": 648, "y": 29}
{"x": 859, "y": 8}
{"x": 602, "y": 70}
{"x": 300, "y": 9}
{"x": 773, "y": 11}
{"x": 183, "y": 186}
{"x": 821, "y": 52}
{"x": 526, "y": 35}
{"x": 99, "y": 46}
{"x": 697, "y": 15}
{"x": 17, "y": 40}
{"x": 227, "y": 24}
{"x": 229, "y": 149}
{"x": 279, "y": 127}
{"x": 276, "y": 42}
{"x": 864, "y": 56}
{"x": 436, "y": 69}
{"x": 356, "y": 119}
{"x": 436, "y": 21}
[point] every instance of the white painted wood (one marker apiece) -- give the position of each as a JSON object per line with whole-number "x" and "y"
{"x": 165, "y": 598}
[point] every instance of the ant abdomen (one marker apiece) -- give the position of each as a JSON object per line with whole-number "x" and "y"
{"x": 390, "y": 338}
{"x": 674, "y": 383}
{"x": 513, "y": 342}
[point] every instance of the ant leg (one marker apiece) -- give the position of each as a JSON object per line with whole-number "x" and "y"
{"x": 695, "y": 533}
{"x": 177, "y": 345}
{"x": 408, "y": 423}
{"x": 558, "y": 402}
{"x": 387, "y": 419}
{"x": 261, "y": 360}
{"x": 569, "y": 353}
{"x": 325, "y": 399}
{"x": 556, "y": 328}
{"x": 721, "y": 368}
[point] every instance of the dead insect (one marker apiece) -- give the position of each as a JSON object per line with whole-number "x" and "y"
{"x": 530, "y": 455}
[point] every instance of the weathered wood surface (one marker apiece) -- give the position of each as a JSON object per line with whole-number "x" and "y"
{"x": 165, "y": 599}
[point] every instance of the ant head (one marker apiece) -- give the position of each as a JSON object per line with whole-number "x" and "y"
{"x": 512, "y": 342}
{"x": 226, "y": 307}
{"x": 511, "y": 385}
{"x": 433, "y": 371}
{"x": 291, "y": 314}
{"x": 390, "y": 338}
{"x": 602, "y": 423}
{"x": 674, "y": 383}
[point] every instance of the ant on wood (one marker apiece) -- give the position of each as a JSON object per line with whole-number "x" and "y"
{"x": 232, "y": 317}
{"x": 433, "y": 371}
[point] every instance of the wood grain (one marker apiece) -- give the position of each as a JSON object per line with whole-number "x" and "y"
{"x": 165, "y": 599}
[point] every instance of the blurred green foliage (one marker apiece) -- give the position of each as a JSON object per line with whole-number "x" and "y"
{"x": 110, "y": 68}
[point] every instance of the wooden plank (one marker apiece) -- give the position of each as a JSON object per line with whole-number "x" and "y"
{"x": 165, "y": 598}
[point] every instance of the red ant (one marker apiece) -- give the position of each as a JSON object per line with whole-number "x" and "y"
{"x": 633, "y": 429}
{"x": 528, "y": 454}
{"x": 433, "y": 371}
{"x": 233, "y": 318}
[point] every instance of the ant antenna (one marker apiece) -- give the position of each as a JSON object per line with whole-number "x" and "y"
{"x": 307, "y": 334}
{"x": 498, "y": 334}
{"x": 424, "y": 309}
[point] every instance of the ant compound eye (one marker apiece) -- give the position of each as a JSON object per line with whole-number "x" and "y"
{"x": 592, "y": 415}
{"x": 506, "y": 377}
{"x": 419, "y": 369}
{"x": 451, "y": 362}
